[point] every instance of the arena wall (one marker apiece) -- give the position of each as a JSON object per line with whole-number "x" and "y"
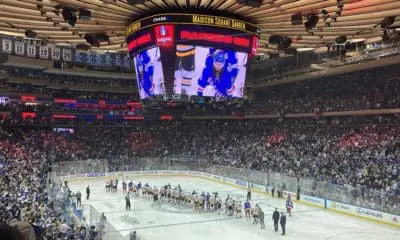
{"x": 347, "y": 209}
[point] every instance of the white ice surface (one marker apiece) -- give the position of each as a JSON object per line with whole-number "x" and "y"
{"x": 174, "y": 223}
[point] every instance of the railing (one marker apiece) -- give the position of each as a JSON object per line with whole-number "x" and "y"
{"x": 358, "y": 196}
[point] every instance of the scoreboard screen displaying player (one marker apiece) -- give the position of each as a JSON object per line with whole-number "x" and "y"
{"x": 209, "y": 72}
{"x": 149, "y": 73}
{"x": 190, "y": 54}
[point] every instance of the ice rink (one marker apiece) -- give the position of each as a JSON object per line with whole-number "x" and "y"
{"x": 180, "y": 223}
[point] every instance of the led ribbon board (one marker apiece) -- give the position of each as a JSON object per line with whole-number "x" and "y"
{"x": 193, "y": 19}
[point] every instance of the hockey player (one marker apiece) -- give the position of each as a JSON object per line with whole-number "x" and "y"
{"x": 124, "y": 186}
{"x": 256, "y": 213}
{"x": 208, "y": 201}
{"x": 203, "y": 199}
{"x": 230, "y": 206}
{"x": 144, "y": 74}
{"x": 184, "y": 70}
{"x": 289, "y": 205}
{"x": 139, "y": 186}
{"x": 130, "y": 186}
{"x": 215, "y": 195}
{"x": 219, "y": 74}
{"x": 238, "y": 208}
{"x": 155, "y": 195}
{"x": 247, "y": 209}
{"x": 261, "y": 217}
{"x": 226, "y": 205}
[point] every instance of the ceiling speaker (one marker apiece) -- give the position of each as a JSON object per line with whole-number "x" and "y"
{"x": 341, "y": 39}
{"x": 135, "y": 2}
{"x": 311, "y": 22}
{"x": 30, "y": 34}
{"x": 297, "y": 19}
{"x": 387, "y": 21}
{"x": 275, "y": 39}
{"x": 250, "y": 3}
{"x": 82, "y": 47}
{"x": 85, "y": 14}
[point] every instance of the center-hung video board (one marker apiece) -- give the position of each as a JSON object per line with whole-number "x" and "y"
{"x": 193, "y": 55}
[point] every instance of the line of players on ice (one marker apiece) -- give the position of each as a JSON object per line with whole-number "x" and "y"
{"x": 194, "y": 200}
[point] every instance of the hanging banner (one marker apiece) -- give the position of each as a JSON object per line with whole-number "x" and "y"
{"x": 66, "y": 55}
{"x": 31, "y": 50}
{"x": 35, "y": 49}
{"x": 55, "y": 54}
{"x": 43, "y": 52}
{"x": 19, "y": 48}
{"x": 7, "y": 46}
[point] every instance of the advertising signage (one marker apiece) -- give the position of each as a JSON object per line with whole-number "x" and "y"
{"x": 193, "y": 19}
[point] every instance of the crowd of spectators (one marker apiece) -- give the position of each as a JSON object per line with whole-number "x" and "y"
{"x": 359, "y": 155}
{"x": 29, "y": 201}
{"x": 65, "y": 92}
{"x": 67, "y": 86}
{"x": 367, "y": 89}
{"x": 121, "y": 109}
{"x": 376, "y": 89}
{"x": 67, "y": 79}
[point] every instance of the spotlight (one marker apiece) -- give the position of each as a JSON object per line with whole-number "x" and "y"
{"x": 311, "y": 22}
{"x": 69, "y": 16}
{"x": 341, "y": 39}
{"x": 387, "y": 21}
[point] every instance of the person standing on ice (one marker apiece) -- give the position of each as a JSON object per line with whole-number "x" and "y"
{"x": 78, "y": 199}
{"x": 133, "y": 236}
{"x": 127, "y": 202}
{"x": 87, "y": 193}
{"x": 261, "y": 216}
{"x": 289, "y": 205}
{"x": 249, "y": 193}
{"x": 275, "y": 218}
{"x": 247, "y": 209}
{"x": 283, "y": 223}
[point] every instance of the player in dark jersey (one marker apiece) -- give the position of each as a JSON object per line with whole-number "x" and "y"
{"x": 219, "y": 74}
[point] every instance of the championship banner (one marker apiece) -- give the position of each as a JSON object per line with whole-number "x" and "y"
{"x": 7, "y": 46}
{"x": 31, "y": 50}
{"x": 43, "y": 52}
{"x": 19, "y": 48}
{"x": 118, "y": 60}
{"x": 35, "y": 49}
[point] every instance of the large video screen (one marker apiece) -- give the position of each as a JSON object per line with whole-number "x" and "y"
{"x": 209, "y": 72}
{"x": 149, "y": 73}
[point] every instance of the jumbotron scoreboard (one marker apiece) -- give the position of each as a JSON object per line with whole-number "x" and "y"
{"x": 191, "y": 55}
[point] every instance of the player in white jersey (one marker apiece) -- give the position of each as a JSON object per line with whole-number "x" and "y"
{"x": 255, "y": 212}
{"x": 238, "y": 208}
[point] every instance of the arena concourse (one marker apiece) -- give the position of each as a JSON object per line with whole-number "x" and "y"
{"x": 194, "y": 120}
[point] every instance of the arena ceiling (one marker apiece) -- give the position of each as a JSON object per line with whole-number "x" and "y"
{"x": 355, "y": 19}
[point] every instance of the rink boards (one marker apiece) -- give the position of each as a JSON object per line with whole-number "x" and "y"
{"x": 351, "y": 210}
